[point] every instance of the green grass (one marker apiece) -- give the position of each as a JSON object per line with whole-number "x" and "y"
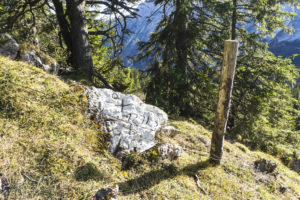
{"x": 51, "y": 150}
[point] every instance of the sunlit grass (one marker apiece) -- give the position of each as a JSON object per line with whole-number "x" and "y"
{"x": 51, "y": 150}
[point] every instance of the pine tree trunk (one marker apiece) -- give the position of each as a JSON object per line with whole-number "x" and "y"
{"x": 75, "y": 34}
{"x": 181, "y": 45}
{"x": 180, "y": 20}
{"x": 234, "y": 20}
{"x": 63, "y": 25}
{"x": 81, "y": 49}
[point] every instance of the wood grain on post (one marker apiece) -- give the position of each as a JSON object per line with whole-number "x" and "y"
{"x": 225, "y": 90}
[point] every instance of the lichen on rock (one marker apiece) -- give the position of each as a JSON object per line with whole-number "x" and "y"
{"x": 131, "y": 123}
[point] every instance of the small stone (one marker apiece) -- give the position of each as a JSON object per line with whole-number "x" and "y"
{"x": 168, "y": 131}
{"x": 204, "y": 140}
{"x": 283, "y": 189}
{"x": 264, "y": 165}
{"x": 54, "y": 68}
{"x": 47, "y": 68}
{"x": 107, "y": 194}
{"x": 170, "y": 151}
{"x": 3, "y": 185}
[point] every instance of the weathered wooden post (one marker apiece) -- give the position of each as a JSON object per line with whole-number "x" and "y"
{"x": 222, "y": 112}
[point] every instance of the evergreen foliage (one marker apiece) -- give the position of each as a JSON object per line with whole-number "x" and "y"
{"x": 35, "y": 26}
{"x": 180, "y": 75}
{"x": 183, "y": 80}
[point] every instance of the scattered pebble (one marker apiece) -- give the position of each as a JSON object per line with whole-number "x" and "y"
{"x": 107, "y": 193}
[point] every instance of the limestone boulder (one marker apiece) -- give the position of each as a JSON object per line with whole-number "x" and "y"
{"x": 8, "y": 46}
{"x": 131, "y": 123}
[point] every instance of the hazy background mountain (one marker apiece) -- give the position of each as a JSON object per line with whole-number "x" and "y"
{"x": 283, "y": 44}
{"x": 141, "y": 28}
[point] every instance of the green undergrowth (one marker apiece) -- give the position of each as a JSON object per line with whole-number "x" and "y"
{"x": 51, "y": 150}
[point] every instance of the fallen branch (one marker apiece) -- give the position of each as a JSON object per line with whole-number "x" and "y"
{"x": 103, "y": 80}
{"x": 199, "y": 185}
{"x": 29, "y": 178}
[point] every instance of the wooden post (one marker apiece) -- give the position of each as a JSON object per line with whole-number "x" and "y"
{"x": 222, "y": 112}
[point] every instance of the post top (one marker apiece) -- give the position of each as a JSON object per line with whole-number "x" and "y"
{"x": 233, "y": 41}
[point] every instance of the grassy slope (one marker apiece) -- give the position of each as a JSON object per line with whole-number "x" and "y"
{"x": 51, "y": 150}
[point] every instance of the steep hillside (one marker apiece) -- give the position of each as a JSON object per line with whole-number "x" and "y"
{"x": 51, "y": 150}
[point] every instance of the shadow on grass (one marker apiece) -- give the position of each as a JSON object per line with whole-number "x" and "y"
{"x": 154, "y": 177}
{"x": 88, "y": 172}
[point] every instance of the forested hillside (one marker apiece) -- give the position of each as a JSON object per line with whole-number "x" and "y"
{"x": 57, "y": 135}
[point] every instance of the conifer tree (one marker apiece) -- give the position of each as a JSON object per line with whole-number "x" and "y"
{"x": 177, "y": 71}
{"x": 72, "y": 17}
{"x": 262, "y": 105}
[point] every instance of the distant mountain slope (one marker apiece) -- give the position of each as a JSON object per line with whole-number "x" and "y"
{"x": 141, "y": 28}
{"x": 283, "y": 44}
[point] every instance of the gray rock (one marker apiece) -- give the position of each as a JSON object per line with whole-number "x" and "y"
{"x": 8, "y": 46}
{"x": 283, "y": 189}
{"x": 204, "y": 140}
{"x": 169, "y": 151}
{"x": 54, "y": 68}
{"x": 33, "y": 58}
{"x": 168, "y": 131}
{"x": 131, "y": 123}
{"x": 264, "y": 165}
{"x": 107, "y": 194}
{"x": 4, "y": 188}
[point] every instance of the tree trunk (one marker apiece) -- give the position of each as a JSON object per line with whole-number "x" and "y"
{"x": 180, "y": 20}
{"x": 63, "y": 25}
{"x": 81, "y": 49}
{"x": 234, "y": 20}
{"x": 181, "y": 64}
{"x": 75, "y": 35}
